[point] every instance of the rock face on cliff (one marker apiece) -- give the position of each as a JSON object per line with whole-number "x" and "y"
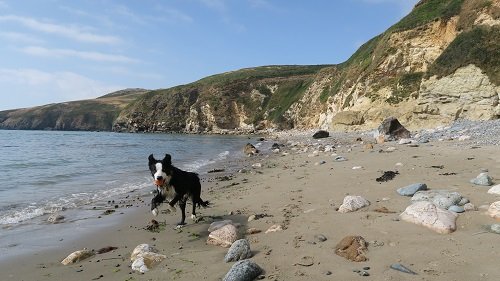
{"x": 438, "y": 64}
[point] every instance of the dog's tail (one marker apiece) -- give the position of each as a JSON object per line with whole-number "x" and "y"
{"x": 203, "y": 203}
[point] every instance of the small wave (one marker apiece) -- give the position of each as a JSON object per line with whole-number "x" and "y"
{"x": 17, "y": 214}
{"x": 195, "y": 166}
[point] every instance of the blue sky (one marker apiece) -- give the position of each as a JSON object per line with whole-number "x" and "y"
{"x": 56, "y": 50}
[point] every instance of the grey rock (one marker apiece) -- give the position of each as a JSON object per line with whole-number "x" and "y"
{"x": 321, "y": 134}
{"x": 245, "y": 270}
{"x": 402, "y": 268}
{"x": 463, "y": 201}
{"x": 441, "y": 198}
{"x": 456, "y": 209}
{"x": 239, "y": 250}
{"x": 392, "y": 129}
{"x": 340, "y": 158}
{"x": 320, "y": 237}
{"x": 411, "y": 189}
{"x": 482, "y": 179}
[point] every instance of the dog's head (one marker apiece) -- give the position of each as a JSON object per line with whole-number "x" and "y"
{"x": 160, "y": 169}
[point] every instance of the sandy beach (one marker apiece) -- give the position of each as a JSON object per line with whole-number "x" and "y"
{"x": 301, "y": 188}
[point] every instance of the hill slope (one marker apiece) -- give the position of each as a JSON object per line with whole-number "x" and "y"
{"x": 439, "y": 63}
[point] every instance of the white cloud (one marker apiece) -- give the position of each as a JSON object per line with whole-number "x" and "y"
{"x": 30, "y": 87}
{"x": 71, "y": 32}
{"x": 18, "y": 37}
{"x": 62, "y": 53}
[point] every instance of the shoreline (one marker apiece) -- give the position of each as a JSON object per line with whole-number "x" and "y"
{"x": 302, "y": 194}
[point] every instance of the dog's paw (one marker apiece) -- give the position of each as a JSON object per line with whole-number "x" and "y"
{"x": 172, "y": 208}
{"x": 155, "y": 212}
{"x": 193, "y": 217}
{"x": 179, "y": 226}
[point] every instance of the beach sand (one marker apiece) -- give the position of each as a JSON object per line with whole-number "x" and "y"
{"x": 302, "y": 195}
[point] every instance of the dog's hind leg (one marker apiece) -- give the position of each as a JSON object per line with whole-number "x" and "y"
{"x": 182, "y": 205}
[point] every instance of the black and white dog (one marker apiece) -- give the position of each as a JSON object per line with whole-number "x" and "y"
{"x": 175, "y": 185}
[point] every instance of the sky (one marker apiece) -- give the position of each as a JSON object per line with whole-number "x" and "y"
{"x": 58, "y": 50}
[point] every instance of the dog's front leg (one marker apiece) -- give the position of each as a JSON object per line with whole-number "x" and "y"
{"x": 182, "y": 205}
{"x": 155, "y": 202}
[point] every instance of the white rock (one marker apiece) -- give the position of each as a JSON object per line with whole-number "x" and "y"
{"x": 140, "y": 249}
{"x": 353, "y": 203}
{"x": 463, "y": 138}
{"x": 494, "y": 210}
{"x": 405, "y": 141}
{"x": 274, "y": 228}
{"x": 146, "y": 261}
{"x": 77, "y": 256}
{"x": 257, "y": 165}
{"x": 357, "y": 167}
{"x": 495, "y": 190}
{"x": 427, "y": 214}
{"x": 218, "y": 224}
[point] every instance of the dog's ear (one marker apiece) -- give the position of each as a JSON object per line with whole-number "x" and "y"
{"x": 167, "y": 160}
{"x": 151, "y": 159}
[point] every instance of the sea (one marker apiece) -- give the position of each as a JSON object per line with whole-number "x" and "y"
{"x": 69, "y": 173}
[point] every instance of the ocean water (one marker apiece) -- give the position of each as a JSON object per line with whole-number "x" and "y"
{"x": 46, "y": 172}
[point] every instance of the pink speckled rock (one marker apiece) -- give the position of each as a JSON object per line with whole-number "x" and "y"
{"x": 224, "y": 236}
{"x": 353, "y": 203}
{"x": 427, "y": 214}
{"x": 494, "y": 210}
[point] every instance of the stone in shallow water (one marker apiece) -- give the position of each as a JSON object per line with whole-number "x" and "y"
{"x": 429, "y": 215}
{"x": 411, "y": 189}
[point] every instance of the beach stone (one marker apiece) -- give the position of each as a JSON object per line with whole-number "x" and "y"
{"x": 352, "y": 248}
{"x": 77, "y": 256}
{"x": 253, "y": 231}
{"x": 392, "y": 129}
{"x": 368, "y": 146}
{"x": 411, "y": 189}
{"x": 257, "y": 165}
{"x": 141, "y": 249}
{"x": 249, "y": 149}
{"x": 494, "y": 210}
{"x": 218, "y": 224}
{"x": 146, "y": 261}
{"x": 245, "y": 270}
{"x": 321, "y": 134}
{"x": 224, "y": 236}
{"x": 482, "y": 179}
{"x": 239, "y": 250}
{"x": 405, "y": 141}
{"x": 441, "y": 198}
{"x": 429, "y": 215}
{"x": 495, "y": 190}
{"x": 353, "y": 203}
{"x": 340, "y": 158}
{"x": 469, "y": 207}
{"x": 55, "y": 218}
{"x": 456, "y": 209}
{"x": 274, "y": 228}
{"x": 320, "y": 237}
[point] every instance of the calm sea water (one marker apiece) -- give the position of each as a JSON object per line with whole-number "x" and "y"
{"x": 44, "y": 172}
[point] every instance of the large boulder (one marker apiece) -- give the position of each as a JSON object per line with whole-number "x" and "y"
{"x": 391, "y": 129}
{"x": 348, "y": 118}
{"x": 429, "y": 215}
{"x": 321, "y": 134}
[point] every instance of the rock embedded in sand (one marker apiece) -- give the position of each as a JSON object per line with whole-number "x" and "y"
{"x": 494, "y": 210}
{"x": 274, "y": 228}
{"x": 429, "y": 215}
{"x": 144, "y": 257}
{"x": 245, "y": 270}
{"x": 441, "y": 198}
{"x": 495, "y": 190}
{"x": 239, "y": 250}
{"x": 218, "y": 224}
{"x": 253, "y": 230}
{"x": 353, "y": 203}
{"x": 321, "y": 134}
{"x": 77, "y": 256}
{"x": 411, "y": 189}
{"x": 224, "y": 236}
{"x": 352, "y": 248}
{"x": 482, "y": 179}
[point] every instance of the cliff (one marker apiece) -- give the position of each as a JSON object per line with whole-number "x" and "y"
{"x": 438, "y": 64}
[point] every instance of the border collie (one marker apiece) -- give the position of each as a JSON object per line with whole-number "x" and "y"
{"x": 176, "y": 185}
